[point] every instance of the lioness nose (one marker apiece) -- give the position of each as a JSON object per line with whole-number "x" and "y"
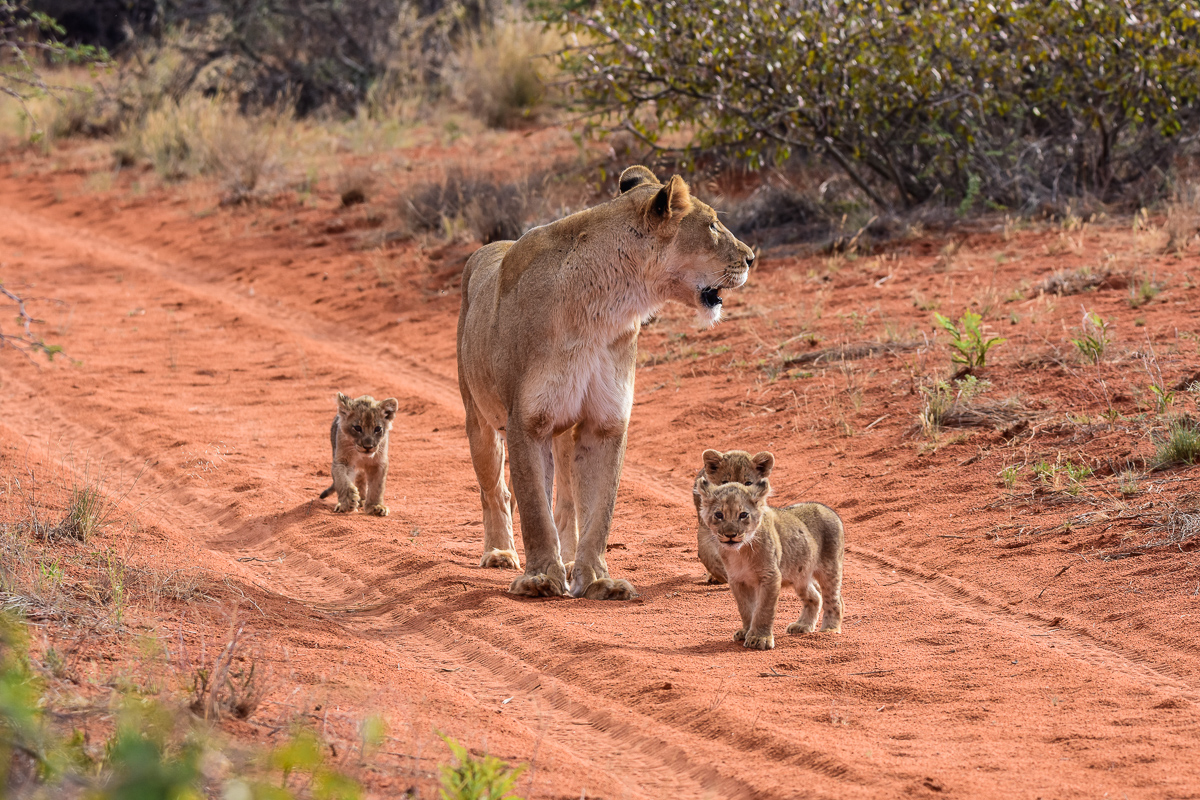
{"x": 749, "y": 259}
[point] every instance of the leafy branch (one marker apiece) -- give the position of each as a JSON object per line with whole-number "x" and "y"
{"x": 25, "y": 342}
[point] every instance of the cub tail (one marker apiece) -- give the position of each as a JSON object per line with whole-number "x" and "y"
{"x": 327, "y": 492}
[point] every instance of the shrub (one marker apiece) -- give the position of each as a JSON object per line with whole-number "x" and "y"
{"x": 970, "y": 343}
{"x": 492, "y": 211}
{"x": 486, "y": 778}
{"x": 501, "y": 73}
{"x": 1015, "y": 102}
{"x": 1180, "y": 445}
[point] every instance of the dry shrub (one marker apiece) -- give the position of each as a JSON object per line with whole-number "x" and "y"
{"x": 201, "y": 136}
{"x": 501, "y": 72}
{"x": 776, "y": 212}
{"x": 232, "y": 684}
{"x": 354, "y": 185}
{"x": 1183, "y": 220}
{"x": 1084, "y": 279}
{"x": 491, "y": 211}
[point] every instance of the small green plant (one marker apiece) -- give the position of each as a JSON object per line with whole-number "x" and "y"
{"x": 1143, "y": 292}
{"x": 1075, "y": 473}
{"x": 970, "y": 343}
{"x": 1181, "y": 445}
{"x": 1163, "y": 397}
{"x": 1093, "y": 338}
{"x": 940, "y": 398}
{"x": 1129, "y": 484}
{"x": 1046, "y": 473}
{"x": 486, "y": 778}
{"x": 1009, "y": 476}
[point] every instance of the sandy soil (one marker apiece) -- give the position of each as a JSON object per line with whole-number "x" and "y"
{"x": 998, "y": 643}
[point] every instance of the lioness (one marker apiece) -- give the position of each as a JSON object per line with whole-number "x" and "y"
{"x": 736, "y": 466}
{"x": 547, "y": 343}
{"x": 359, "y": 436}
{"x": 764, "y": 549}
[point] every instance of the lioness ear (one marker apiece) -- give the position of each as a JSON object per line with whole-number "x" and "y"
{"x": 634, "y": 176}
{"x": 390, "y": 407}
{"x": 763, "y": 463}
{"x": 673, "y": 200}
{"x": 712, "y": 459}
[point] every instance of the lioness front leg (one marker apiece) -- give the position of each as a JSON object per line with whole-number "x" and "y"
{"x": 760, "y": 635}
{"x": 528, "y": 456}
{"x": 599, "y": 455}
{"x": 487, "y": 455}
{"x": 566, "y": 520}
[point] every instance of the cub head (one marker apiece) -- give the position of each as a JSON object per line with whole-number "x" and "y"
{"x": 366, "y": 421}
{"x": 737, "y": 466}
{"x": 701, "y": 256}
{"x": 733, "y": 511}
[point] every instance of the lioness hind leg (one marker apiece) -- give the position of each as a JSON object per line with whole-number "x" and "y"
{"x": 812, "y": 607}
{"x": 487, "y": 456}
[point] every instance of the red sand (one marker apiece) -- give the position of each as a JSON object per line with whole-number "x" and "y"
{"x": 210, "y": 345}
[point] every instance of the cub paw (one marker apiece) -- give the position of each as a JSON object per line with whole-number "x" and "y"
{"x": 801, "y": 627}
{"x": 537, "y": 585}
{"x": 377, "y": 511}
{"x": 344, "y": 508}
{"x": 739, "y": 635}
{"x": 756, "y": 642}
{"x": 713, "y": 580}
{"x": 609, "y": 589}
{"x": 500, "y": 559}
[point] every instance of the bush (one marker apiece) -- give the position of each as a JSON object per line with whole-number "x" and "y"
{"x": 501, "y": 72}
{"x": 490, "y": 210}
{"x": 1011, "y": 102}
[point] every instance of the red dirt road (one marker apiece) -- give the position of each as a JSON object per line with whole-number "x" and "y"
{"x": 210, "y": 346}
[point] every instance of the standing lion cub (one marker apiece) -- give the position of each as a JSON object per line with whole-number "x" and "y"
{"x": 735, "y": 466}
{"x": 763, "y": 549}
{"x": 360, "y": 453}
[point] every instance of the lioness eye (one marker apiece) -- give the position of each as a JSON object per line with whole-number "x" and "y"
{"x": 744, "y": 515}
{"x": 718, "y": 515}
{"x": 713, "y": 227}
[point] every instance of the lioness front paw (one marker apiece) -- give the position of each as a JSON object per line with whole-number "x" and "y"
{"x": 756, "y": 642}
{"x": 500, "y": 559}
{"x": 377, "y": 511}
{"x": 801, "y": 627}
{"x": 739, "y": 635}
{"x": 609, "y": 589}
{"x": 537, "y": 585}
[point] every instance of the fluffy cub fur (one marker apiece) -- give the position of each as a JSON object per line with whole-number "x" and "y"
{"x": 764, "y": 549}
{"x": 360, "y": 453}
{"x": 735, "y": 466}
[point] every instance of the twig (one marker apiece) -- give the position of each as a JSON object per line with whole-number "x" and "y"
{"x": 1060, "y": 572}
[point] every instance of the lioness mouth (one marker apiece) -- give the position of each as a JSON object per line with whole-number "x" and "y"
{"x": 710, "y": 296}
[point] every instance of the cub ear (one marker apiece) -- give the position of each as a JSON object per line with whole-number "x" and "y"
{"x": 390, "y": 407}
{"x": 672, "y": 201}
{"x": 704, "y": 486}
{"x": 634, "y": 176}
{"x": 343, "y": 402}
{"x": 763, "y": 463}
{"x": 712, "y": 460}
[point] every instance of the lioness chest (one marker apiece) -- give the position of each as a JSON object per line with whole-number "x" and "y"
{"x": 590, "y": 380}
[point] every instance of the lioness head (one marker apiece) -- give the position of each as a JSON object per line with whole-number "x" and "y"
{"x": 701, "y": 256}
{"x": 733, "y": 511}
{"x": 365, "y": 421}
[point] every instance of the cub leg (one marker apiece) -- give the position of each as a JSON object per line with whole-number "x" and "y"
{"x": 599, "y": 456}
{"x": 487, "y": 455}
{"x": 710, "y": 556}
{"x": 743, "y": 594}
{"x": 760, "y": 635}
{"x": 831, "y": 595}
{"x": 529, "y": 458}
{"x": 811, "y": 599}
{"x": 565, "y": 518}
{"x": 376, "y": 483}
{"x": 347, "y": 492}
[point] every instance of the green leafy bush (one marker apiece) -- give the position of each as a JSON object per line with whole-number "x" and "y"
{"x": 486, "y": 778}
{"x": 1014, "y": 102}
{"x": 970, "y": 343}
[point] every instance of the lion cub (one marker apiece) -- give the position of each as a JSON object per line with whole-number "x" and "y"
{"x": 360, "y": 453}
{"x": 763, "y": 549}
{"x": 735, "y": 466}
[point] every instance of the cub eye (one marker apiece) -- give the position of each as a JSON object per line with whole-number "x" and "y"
{"x": 718, "y": 515}
{"x": 749, "y": 483}
{"x": 378, "y": 429}
{"x": 358, "y": 428}
{"x": 744, "y": 515}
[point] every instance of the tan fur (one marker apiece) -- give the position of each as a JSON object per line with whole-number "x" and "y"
{"x": 547, "y": 343}
{"x": 764, "y": 549}
{"x": 360, "y": 453}
{"x": 735, "y": 466}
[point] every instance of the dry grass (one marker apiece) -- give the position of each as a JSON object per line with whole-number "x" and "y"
{"x": 1182, "y": 223}
{"x": 502, "y": 72}
{"x": 1077, "y": 281}
{"x": 850, "y": 352}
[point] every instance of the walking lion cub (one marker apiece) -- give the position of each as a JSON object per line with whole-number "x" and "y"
{"x": 764, "y": 549}
{"x": 359, "y": 436}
